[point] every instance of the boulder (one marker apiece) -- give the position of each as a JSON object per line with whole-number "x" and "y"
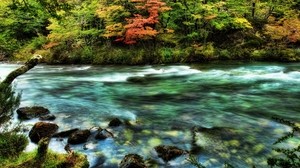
{"x": 26, "y": 113}
{"x": 103, "y": 134}
{"x": 42, "y": 130}
{"x": 64, "y": 134}
{"x": 168, "y": 153}
{"x": 115, "y": 122}
{"x": 79, "y": 137}
{"x": 49, "y": 117}
{"x": 132, "y": 161}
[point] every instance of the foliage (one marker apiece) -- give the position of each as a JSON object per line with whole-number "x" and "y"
{"x": 71, "y": 31}
{"x": 287, "y": 30}
{"x": 12, "y": 144}
{"x": 289, "y": 156}
{"x": 140, "y": 27}
{"x": 9, "y": 100}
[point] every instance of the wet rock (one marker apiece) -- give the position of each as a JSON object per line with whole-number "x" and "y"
{"x": 64, "y": 134}
{"x": 168, "y": 153}
{"x": 26, "y": 113}
{"x": 115, "y": 122}
{"x": 136, "y": 79}
{"x": 98, "y": 162}
{"x": 49, "y": 117}
{"x": 132, "y": 161}
{"x": 79, "y": 137}
{"x": 42, "y": 130}
{"x": 103, "y": 134}
{"x": 218, "y": 139}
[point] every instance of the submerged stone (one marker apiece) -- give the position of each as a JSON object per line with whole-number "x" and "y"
{"x": 132, "y": 161}
{"x": 49, "y": 117}
{"x": 115, "y": 122}
{"x": 168, "y": 153}
{"x": 66, "y": 133}
{"x": 79, "y": 137}
{"x": 42, "y": 130}
{"x": 136, "y": 79}
{"x": 103, "y": 134}
{"x": 26, "y": 113}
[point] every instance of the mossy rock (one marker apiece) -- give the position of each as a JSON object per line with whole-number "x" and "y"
{"x": 26, "y": 113}
{"x": 168, "y": 153}
{"x": 132, "y": 161}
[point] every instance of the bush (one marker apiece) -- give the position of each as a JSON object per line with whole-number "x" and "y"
{"x": 224, "y": 54}
{"x": 12, "y": 144}
{"x": 30, "y": 48}
{"x": 205, "y": 52}
{"x": 290, "y": 157}
{"x": 258, "y": 54}
{"x": 165, "y": 54}
{"x": 9, "y": 101}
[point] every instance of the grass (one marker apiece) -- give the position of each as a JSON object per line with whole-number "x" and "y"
{"x": 53, "y": 160}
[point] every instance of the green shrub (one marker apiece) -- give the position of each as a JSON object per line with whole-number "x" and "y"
{"x": 258, "y": 54}
{"x": 9, "y": 101}
{"x": 224, "y": 54}
{"x": 290, "y": 157}
{"x": 26, "y": 51}
{"x": 165, "y": 54}
{"x": 205, "y": 52}
{"x": 12, "y": 144}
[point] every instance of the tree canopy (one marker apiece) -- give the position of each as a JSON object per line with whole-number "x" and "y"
{"x": 77, "y": 30}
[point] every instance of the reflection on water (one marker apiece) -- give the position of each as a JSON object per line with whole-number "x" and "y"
{"x": 239, "y": 99}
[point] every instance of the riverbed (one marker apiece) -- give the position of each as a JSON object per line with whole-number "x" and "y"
{"x": 165, "y": 105}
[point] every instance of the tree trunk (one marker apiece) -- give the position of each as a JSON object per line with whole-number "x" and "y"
{"x": 23, "y": 69}
{"x": 253, "y": 9}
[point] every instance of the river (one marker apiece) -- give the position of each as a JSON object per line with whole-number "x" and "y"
{"x": 166, "y": 104}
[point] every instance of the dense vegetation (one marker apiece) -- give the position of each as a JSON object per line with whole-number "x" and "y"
{"x": 150, "y": 31}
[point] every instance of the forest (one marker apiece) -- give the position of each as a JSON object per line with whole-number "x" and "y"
{"x": 149, "y": 31}
{"x": 149, "y": 83}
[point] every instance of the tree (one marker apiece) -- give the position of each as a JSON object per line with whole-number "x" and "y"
{"x": 8, "y": 99}
{"x": 143, "y": 28}
{"x": 285, "y": 30}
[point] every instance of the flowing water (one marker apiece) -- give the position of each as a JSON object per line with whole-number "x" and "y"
{"x": 166, "y": 104}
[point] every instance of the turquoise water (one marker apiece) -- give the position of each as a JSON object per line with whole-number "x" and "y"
{"x": 238, "y": 98}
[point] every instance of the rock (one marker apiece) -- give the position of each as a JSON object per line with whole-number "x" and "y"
{"x": 168, "y": 153}
{"x": 115, "y": 122}
{"x": 78, "y": 137}
{"x": 99, "y": 161}
{"x": 49, "y": 117}
{"x": 42, "y": 130}
{"x": 66, "y": 133}
{"x": 132, "y": 161}
{"x": 136, "y": 79}
{"x": 103, "y": 134}
{"x": 26, "y": 113}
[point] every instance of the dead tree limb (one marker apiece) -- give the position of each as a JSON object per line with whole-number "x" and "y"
{"x": 23, "y": 69}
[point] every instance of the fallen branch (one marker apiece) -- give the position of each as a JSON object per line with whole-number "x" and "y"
{"x": 23, "y": 69}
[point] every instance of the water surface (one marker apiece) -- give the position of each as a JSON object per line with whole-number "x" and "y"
{"x": 238, "y": 98}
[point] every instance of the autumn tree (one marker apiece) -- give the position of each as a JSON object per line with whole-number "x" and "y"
{"x": 285, "y": 31}
{"x": 143, "y": 27}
